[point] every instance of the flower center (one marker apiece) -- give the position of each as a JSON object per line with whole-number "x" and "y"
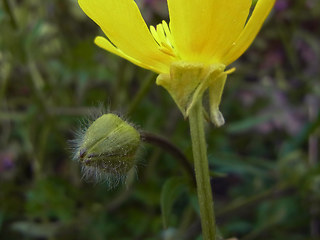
{"x": 163, "y": 37}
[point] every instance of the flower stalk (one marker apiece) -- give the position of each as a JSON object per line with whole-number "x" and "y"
{"x": 201, "y": 167}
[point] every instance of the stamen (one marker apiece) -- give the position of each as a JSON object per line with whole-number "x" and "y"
{"x": 166, "y": 45}
{"x": 163, "y": 37}
{"x": 166, "y": 51}
{"x": 167, "y": 32}
{"x": 161, "y": 32}
{"x": 155, "y": 34}
{"x": 230, "y": 70}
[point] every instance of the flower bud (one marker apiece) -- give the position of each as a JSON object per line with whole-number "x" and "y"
{"x": 108, "y": 148}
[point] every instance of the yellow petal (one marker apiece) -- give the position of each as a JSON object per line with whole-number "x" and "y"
{"x": 123, "y": 24}
{"x": 188, "y": 24}
{"x": 229, "y": 21}
{"x": 106, "y": 45}
{"x": 202, "y": 29}
{"x": 250, "y": 31}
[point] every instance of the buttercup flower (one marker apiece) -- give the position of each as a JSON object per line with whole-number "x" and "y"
{"x": 191, "y": 53}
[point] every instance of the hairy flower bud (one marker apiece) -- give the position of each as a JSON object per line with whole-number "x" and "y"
{"x": 108, "y": 148}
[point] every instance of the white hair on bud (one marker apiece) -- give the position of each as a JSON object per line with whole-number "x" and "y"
{"x": 112, "y": 176}
{"x": 94, "y": 174}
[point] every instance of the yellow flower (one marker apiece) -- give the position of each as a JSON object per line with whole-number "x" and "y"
{"x": 191, "y": 53}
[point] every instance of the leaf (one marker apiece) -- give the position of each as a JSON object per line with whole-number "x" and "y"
{"x": 217, "y": 174}
{"x": 231, "y": 163}
{"x": 1, "y": 15}
{"x": 302, "y": 137}
{"x": 248, "y": 123}
{"x": 1, "y": 219}
{"x": 171, "y": 190}
{"x": 38, "y": 230}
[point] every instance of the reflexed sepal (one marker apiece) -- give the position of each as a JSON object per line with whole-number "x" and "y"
{"x": 108, "y": 147}
{"x": 215, "y": 94}
{"x": 187, "y": 82}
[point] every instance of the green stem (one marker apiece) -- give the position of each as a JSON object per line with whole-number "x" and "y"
{"x": 202, "y": 171}
{"x": 9, "y": 10}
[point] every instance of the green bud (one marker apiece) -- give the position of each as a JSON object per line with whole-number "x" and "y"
{"x": 108, "y": 147}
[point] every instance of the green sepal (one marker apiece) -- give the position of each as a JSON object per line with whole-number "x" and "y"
{"x": 110, "y": 145}
{"x": 187, "y": 83}
{"x": 215, "y": 94}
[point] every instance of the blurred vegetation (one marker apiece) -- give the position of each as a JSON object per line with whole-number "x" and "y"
{"x": 265, "y": 159}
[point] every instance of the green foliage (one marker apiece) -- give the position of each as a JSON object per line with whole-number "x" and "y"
{"x": 51, "y": 199}
{"x": 264, "y": 161}
{"x": 171, "y": 190}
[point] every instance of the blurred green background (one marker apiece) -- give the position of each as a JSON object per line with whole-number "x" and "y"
{"x": 265, "y": 159}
